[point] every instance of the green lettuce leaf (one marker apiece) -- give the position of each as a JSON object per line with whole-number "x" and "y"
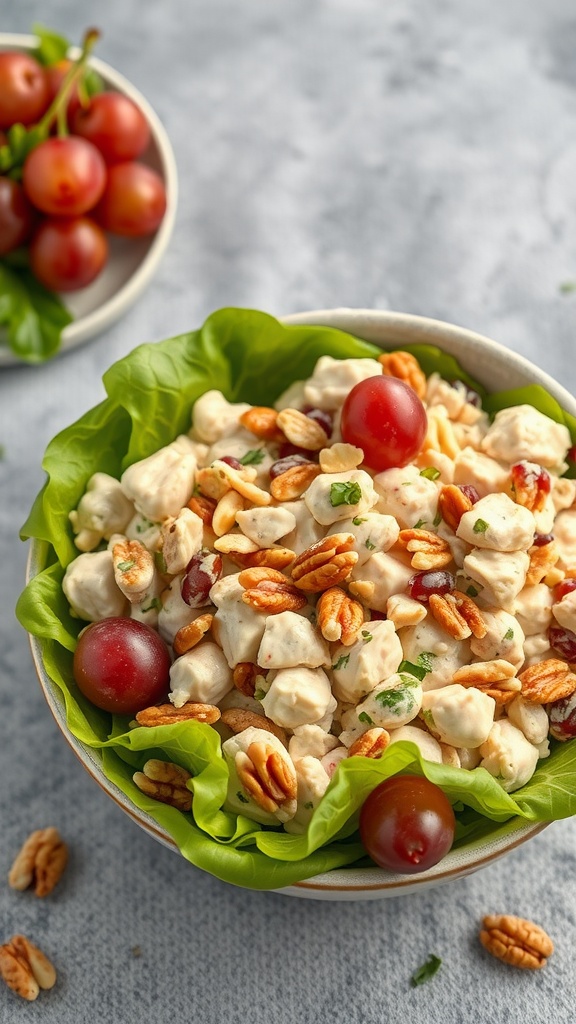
{"x": 252, "y": 357}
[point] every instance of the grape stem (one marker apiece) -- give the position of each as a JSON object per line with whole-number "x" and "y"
{"x": 57, "y": 109}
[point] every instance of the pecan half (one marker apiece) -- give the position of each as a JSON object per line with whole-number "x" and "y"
{"x": 273, "y": 597}
{"x": 167, "y": 714}
{"x": 166, "y": 782}
{"x": 270, "y": 558}
{"x": 40, "y": 862}
{"x": 457, "y": 614}
{"x": 255, "y": 574}
{"x": 516, "y": 941}
{"x": 263, "y": 423}
{"x": 291, "y": 485}
{"x": 301, "y": 430}
{"x": 269, "y": 778}
{"x": 25, "y": 968}
{"x": 406, "y": 367}
{"x": 452, "y": 504}
{"x": 543, "y": 558}
{"x": 495, "y": 678}
{"x": 429, "y": 551}
{"x": 191, "y": 634}
{"x": 326, "y": 563}
{"x": 244, "y": 676}
{"x": 547, "y": 681}
{"x": 339, "y": 617}
{"x": 371, "y": 743}
{"x": 238, "y": 719}
{"x": 203, "y": 507}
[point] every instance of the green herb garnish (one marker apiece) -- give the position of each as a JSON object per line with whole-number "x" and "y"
{"x": 369, "y": 544}
{"x": 509, "y": 634}
{"x": 253, "y": 457}
{"x": 426, "y": 971}
{"x": 259, "y": 694}
{"x": 125, "y": 566}
{"x": 431, "y": 473}
{"x": 419, "y": 524}
{"x": 480, "y": 526}
{"x": 342, "y": 662}
{"x": 365, "y": 718}
{"x": 358, "y": 521}
{"x": 345, "y": 493}
{"x": 418, "y": 671}
{"x": 366, "y": 636}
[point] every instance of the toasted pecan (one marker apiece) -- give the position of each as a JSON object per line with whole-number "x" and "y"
{"x": 404, "y": 366}
{"x": 452, "y": 504}
{"x": 339, "y": 616}
{"x": 238, "y": 719}
{"x": 167, "y": 714}
{"x": 516, "y": 941}
{"x": 326, "y": 563}
{"x": 40, "y": 862}
{"x": 428, "y": 550}
{"x": 547, "y": 681}
{"x": 192, "y": 633}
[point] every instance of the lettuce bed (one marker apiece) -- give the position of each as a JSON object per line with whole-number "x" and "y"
{"x": 250, "y": 357}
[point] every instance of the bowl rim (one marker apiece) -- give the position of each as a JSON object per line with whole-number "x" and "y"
{"x": 341, "y": 883}
{"x": 97, "y": 320}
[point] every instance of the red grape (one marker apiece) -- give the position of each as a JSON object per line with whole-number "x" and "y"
{"x": 16, "y": 216}
{"x": 563, "y": 588}
{"x": 134, "y": 200}
{"x": 64, "y": 176}
{"x": 67, "y": 253}
{"x": 122, "y": 665}
{"x": 385, "y": 418}
{"x": 563, "y": 641}
{"x": 288, "y": 462}
{"x": 114, "y": 124}
{"x": 430, "y": 581}
{"x": 24, "y": 92}
{"x": 407, "y": 824}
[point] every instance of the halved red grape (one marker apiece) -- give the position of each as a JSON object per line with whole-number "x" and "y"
{"x": 122, "y": 665}
{"x": 563, "y": 641}
{"x": 470, "y": 491}
{"x": 407, "y": 824}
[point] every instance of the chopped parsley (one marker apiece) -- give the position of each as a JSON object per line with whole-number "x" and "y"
{"x": 426, "y": 971}
{"x": 342, "y": 662}
{"x": 397, "y": 699}
{"x": 345, "y": 493}
{"x": 418, "y": 671}
{"x": 480, "y": 526}
{"x": 424, "y": 660}
{"x": 419, "y": 524}
{"x": 431, "y": 473}
{"x": 366, "y": 636}
{"x": 437, "y": 518}
{"x": 358, "y": 520}
{"x": 243, "y": 799}
{"x": 125, "y": 566}
{"x": 155, "y": 605}
{"x": 144, "y": 525}
{"x": 509, "y": 634}
{"x": 160, "y": 562}
{"x": 253, "y": 457}
{"x": 365, "y": 718}
{"x": 369, "y": 544}
{"x": 472, "y": 591}
{"x": 566, "y": 287}
{"x": 259, "y": 694}
{"x": 308, "y": 806}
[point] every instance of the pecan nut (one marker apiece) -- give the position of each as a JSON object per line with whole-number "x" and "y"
{"x": 406, "y": 367}
{"x": 326, "y": 563}
{"x": 263, "y": 423}
{"x": 273, "y": 597}
{"x": 429, "y": 551}
{"x": 301, "y": 430}
{"x": 244, "y": 676}
{"x": 516, "y": 941}
{"x": 25, "y": 968}
{"x": 543, "y": 558}
{"x": 203, "y": 507}
{"x": 547, "y": 681}
{"x": 291, "y": 484}
{"x": 192, "y": 633}
{"x": 339, "y": 617}
{"x": 371, "y": 743}
{"x": 270, "y": 558}
{"x": 452, "y": 504}
{"x": 40, "y": 862}
{"x": 495, "y": 678}
{"x": 268, "y": 777}
{"x": 167, "y": 714}
{"x": 238, "y": 719}
{"x": 165, "y": 781}
{"x": 457, "y": 614}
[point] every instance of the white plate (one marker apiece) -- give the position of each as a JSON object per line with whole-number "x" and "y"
{"x": 497, "y": 368}
{"x": 132, "y": 262}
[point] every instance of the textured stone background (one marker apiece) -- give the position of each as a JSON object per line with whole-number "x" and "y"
{"x": 402, "y": 155}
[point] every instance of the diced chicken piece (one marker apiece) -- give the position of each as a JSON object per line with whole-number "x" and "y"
{"x": 213, "y": 416}
{"x": 306, "y": 531}
{"x": 522, "y": 432}
{"x": 392, "y": 703}
{"x": 310, "y": 741}
{"x": 201, "y": 675}
{"x": 265, "y": 526}
{"x": 331, "y": 760}
{"x": 313, "y": 781}
{"x": 504, "y": 638}
{"x": 181, "y": 540}
{"x": 533, "y": 608}
{"x": 359, "y": 668}
{"x": 459, "y": 715}
{"x": 565, "y": 537}
{"x": 498, "y": 523}
{"x": 459, "y": 548}
{"x": 102, "y": 510}
{"x": 482, "y": 472}
{"x": 385, "y": 576}
{"x": 427, "y": 745}
{"x": 508, "y": 755}
{"x": 404, "y": 611}
{"x": 373, "y": 532}
{"x": 332, "y": 379}
{"x": 174, "y": 613}
{"x": 536, "y": 648}
{"x": 146, "y": 531}
{"x": 501, "y": 576}
{"x": 332, "y": 497}
{"x": 161, "y": 484}
{"x": 432, "y": 459}
{"x": 429, "y": 645}
{"x": 289, "y": 640}
{"x": 238, "y": 799}
{"x": 563, "y": 493}
{"x": 407, "y": 496}
{"x": 351, "y": 727}
{"x": 544, "y": 519}
{"x": 530, "y": 718}
{"x": 237, "y": 627}
{"x": 564, "y": 611}
{"x": 451, "y": 396}
{"x": 298, "y": 696}
{"x": 91, "y": 589}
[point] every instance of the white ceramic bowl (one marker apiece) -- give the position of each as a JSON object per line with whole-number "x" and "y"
{"x": 497, "y": 368}
{"x": 132, "y": 261}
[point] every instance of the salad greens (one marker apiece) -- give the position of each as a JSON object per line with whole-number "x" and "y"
{"x": 252, "y": 357}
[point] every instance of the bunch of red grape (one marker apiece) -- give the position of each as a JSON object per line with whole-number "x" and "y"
{"x": 80, "y": 177}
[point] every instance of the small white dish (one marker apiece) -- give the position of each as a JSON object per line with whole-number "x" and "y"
{"x": 497, "y": 368}
{"x": 132, "y": 262}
